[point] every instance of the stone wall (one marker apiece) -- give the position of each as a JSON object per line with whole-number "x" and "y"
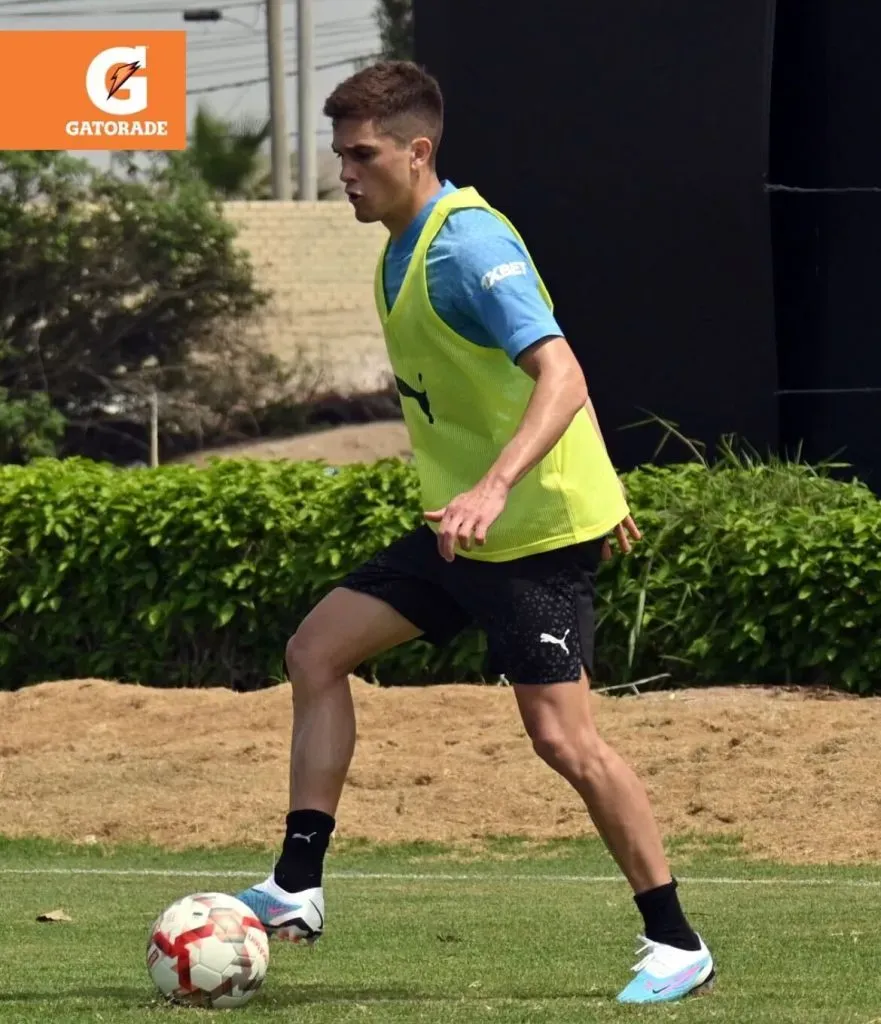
{"x": 319, "y": 262}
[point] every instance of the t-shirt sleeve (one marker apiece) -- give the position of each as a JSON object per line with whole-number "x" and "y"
{"x": 496, "y": 286}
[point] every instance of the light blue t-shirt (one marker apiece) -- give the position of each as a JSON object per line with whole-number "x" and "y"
{"x": 480, "y": 281}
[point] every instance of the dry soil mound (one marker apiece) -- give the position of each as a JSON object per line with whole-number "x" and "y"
{"x": 794, "y": 775}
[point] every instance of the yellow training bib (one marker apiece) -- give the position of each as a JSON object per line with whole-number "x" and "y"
{"x": 462, "y": 404}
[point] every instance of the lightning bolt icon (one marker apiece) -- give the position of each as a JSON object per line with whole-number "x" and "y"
{"x": 121, "y": 75}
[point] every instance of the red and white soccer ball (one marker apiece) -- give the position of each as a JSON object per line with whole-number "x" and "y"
{"x": 209, "y": 950}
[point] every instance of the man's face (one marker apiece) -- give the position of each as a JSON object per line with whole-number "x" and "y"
{"x": 375, "y": 169}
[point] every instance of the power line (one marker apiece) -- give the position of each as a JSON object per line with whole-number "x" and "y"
{"x": 208, "y": 58}
{"x": 34, "y": 3}
{"x": 223, "y": 5}
{"x": 838, "y": 190}
{"x": 207, "y": 76}
{"x": 117, "y": 12}
{"x": 830, "y": 391}
{"x": 329, "y": 27}
{"x": 323, "y": 133}
{"x": 324, "y": 30}
{"x": 199, "y": 72}
{"x": 288, "y": 74}
{"x": 252, "y": 48}
{"x": 168, "y": 8}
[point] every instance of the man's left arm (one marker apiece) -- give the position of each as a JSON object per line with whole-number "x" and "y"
{"x": 497, "y": 291}
{"x": 560, "y": 392}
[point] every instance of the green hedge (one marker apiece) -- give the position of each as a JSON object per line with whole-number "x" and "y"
{"x": 183, "y": 576}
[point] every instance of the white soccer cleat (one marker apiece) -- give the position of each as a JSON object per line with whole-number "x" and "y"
{"x": 666, "y": 973}
{"x": 291, "y": 916}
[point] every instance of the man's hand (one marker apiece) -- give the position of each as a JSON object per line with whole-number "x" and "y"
{"x": 626, "y": 529}
{"x": 467, "y": 516}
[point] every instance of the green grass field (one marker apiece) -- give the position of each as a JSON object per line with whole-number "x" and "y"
{"x": 520, "y": 933}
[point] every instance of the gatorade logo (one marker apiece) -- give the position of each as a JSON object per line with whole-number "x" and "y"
{"x": 108, "y": 74}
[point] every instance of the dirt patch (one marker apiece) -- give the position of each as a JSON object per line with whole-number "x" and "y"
{"x": 362, "y": 442}
{"x": 795, "y": 776}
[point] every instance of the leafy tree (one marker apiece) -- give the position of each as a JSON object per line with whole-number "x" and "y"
{"x": 231, "y": 158}
{"x": 227, "y": 154}
{"x": 29, "y": 427}
{"x": 395, "y": 20}
{"x": 111, "y": 287}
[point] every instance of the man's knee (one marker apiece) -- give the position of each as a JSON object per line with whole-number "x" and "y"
{"x": 572, "y": 753}
{"x": 310, "y": 659}
{"x": 552, "y": 745}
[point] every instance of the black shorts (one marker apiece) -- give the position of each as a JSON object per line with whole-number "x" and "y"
{"x": 537, "y": 611}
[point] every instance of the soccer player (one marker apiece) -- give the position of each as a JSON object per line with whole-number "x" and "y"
{"x": 520, "y": 502}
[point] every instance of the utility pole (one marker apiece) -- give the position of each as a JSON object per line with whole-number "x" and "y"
{"x": 281, "y": 161}
{"x": 154, "y": 428}
{"x": 306, "y": 130}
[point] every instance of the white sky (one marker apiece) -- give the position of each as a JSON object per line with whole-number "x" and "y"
{"x": 225, "y": 52}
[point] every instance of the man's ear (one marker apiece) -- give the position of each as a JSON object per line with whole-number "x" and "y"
{"x": 421, "y": 150}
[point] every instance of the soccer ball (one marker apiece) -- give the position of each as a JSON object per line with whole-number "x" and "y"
{"x": 209, "y": 950}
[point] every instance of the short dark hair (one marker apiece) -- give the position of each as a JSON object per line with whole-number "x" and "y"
{"x": 402, "y": 98}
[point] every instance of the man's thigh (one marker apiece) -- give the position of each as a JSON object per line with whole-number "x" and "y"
{"x": 345, "y": 629}
{"x": 404, "y": 577}
{"x": 537, "y": 612}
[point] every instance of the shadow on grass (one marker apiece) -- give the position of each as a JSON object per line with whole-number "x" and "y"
{"x": 128, "y": 994}
{"x": 318, "y": 992}
{"x": 302, "y": 994}
{"x": 272, "y": 995}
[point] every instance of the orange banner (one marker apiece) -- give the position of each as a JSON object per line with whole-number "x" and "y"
{"x": 93, "y": 90}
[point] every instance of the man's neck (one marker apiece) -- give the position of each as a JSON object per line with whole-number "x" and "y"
{"x": 398, "y": 223}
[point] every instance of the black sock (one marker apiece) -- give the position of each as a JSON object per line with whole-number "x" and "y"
{"x": 664, "y": 920}
{"x": 301, "y": 863}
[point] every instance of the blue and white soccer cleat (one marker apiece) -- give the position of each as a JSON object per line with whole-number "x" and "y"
{"x": 666, "y": 973}
{"x": 293, "y": 917}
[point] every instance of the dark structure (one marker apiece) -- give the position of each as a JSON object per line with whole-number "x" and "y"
{"x": 656, "y": 158}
